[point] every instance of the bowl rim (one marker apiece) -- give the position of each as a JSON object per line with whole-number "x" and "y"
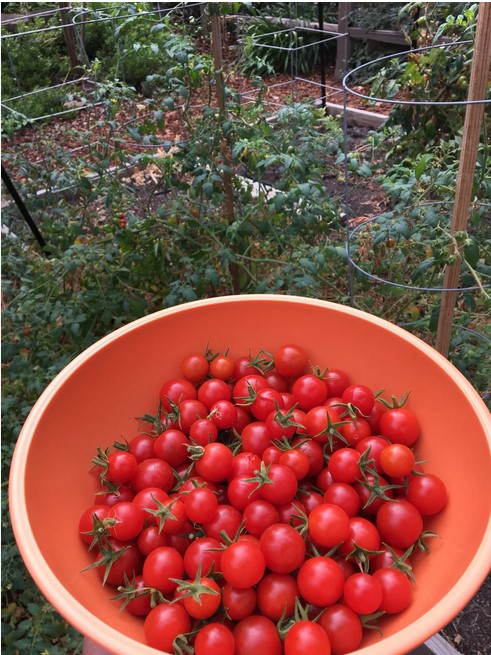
{"x": 91, "y": 626}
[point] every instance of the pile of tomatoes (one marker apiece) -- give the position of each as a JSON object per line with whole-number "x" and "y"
{"x": 268, "y": 507}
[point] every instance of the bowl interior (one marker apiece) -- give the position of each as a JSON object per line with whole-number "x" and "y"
{"x": 97, "y": 398}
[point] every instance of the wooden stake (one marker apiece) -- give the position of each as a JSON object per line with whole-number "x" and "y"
{"x": 465, "y": 177}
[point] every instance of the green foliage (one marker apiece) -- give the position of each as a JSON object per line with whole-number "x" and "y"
{"x": 269, "y": 48}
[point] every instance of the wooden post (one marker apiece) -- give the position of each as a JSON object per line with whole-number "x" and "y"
{"x": 465, "y": 177}
{"x": 69, "y": 38}
{"x": 228, "y": 187}
{"x": 343, "y": 51}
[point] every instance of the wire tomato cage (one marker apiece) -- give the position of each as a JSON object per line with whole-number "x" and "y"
{"x": 384, "y": 229}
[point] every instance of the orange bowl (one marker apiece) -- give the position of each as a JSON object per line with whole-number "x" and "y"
{"x": 96, "y": 398}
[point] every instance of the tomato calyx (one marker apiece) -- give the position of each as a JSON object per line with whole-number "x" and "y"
{"x": 300, "y": 613}
{"x": 393, "y": 403}
{"x": 284, "y": 417}
{"x": 400, "y": 562}
{"x": 262, "y": 362}
{"x": 421, "y": 543}
{"x": 155, "y": 420}
{"x": 246, "y": 401}
{"x": 129, "y": 591}
{"x": 163, "y": 513}
{"x": 362, "y": 556}
{"x": 369, "y": 621}
{"x": 181, "y": 645}
{"x": 376, "y": 489}
{"x": 109, "y": 556}
{"x": 100, "y": 530}
{"x": 261, "y": 477}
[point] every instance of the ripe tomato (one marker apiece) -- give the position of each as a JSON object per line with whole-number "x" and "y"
{"x": 238, "y": 603}
{"x": 283, "y": 548}
{"x": 203, "y": 603}
{"x": 344, "y": 628}
{"x": 336, "y": 382}
{"x": 246, "y": 388}
{"x": 243, "y": 564}
{"x": 307, "y": 637}
{"x": 204, "y": 551}
{"x": 215, "y": 463}
{"x": 141, "y": 603}
{"x": 314, "y": 452}
{"x": 399, "y": 523}
{"x": 363, "y": 593}
{"x": 400, "y": 425}
{"x": 242, "y": 491}
{"x": 276, "y": 594}
{"x": 150, "y": 538}
{"x": 200, "y": 504}
{"x": 121, "y": 466}
{"x": 290, "y": 360}
{"x": 257, "y": 635}
{"x": 354, "y": 430}
{"x": 362, "y": 534}
{"x": 255, "y": 437}
{"x": 397, "y": 460}
{"x": 329, "y": 525}
{"x": 309, "y": 391}
{"x": 128, "y": 564}
{"x": 214, "y": 638}
{"x": 175, "y": 391}
{"x": 222, "y": 367}
{"x": 343, "y": 495}
{"x": 397, "y": 592}
{"x": 142, "y": 447}
{"x": 320, "y": 424}
{"x": 259, "y": 515}
{"x": 372, "y": 448}
{"x": 190, "y": 410}
{"x": 213, "y": 390}
{"x": 224, "y": 414}
{"x": 343, "y": 465}
{"x": 361, "y": 397}
{"x": 164, "y": 623}
{"x": 427, "y": 493}
{"x": 129, "y": 520}
{"x": 171, "y": 446}
{"x": 266, "y": 402}
{"x": 86, "y": 523}
{"x": 227, "y": 519}
{"x": 320, "y": 581}
{"x": 160, "y": 566}
{"x": 195, "y": 368}
{"x": 282, "y": 485}
{"x": 203, "y": 431}
{"x": 297, "y": 461}
{"x": 153, "y": 473}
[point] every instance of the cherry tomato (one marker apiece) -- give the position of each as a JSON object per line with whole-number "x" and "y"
{"x": 215, "y": 463}
{"x": 320, "y": 581}
{"x": 195, "y": 368}
{"x": 276, "y": 594}
{"x": 121, "y": 467}
{"x": 205, "y": 601}
{"x": 141, "y": 603}
{"x": 214, "y": 638}
{"x": 227, "y": 519}
{"x": 309, "y": 391}
{"x": 344, "y": 466}
{"x": 400, "y": 425}
{"x": 171, "y": 446}
{"x": 343, "y": 495}
{"x": 336, "y": 382}
{"x": 161, "y": 567}
{"x": 224, "y": 414}
{"x": 307, "y": 637}
{"x": 290, "y": 360}
{"x": 329, "y": 525}
{"x": 86, "y": 523}
{"x": 203, "y": 431}
{"x": 397, "y": 460}
{"x": 164, "y": 623}
{"x": 266, "y": 402}
{"x": 175, "y": 391}
{"x": 153, "y": 473}
{"x": 397, "y": 592}
{"x": 238, "y": 603}
{"x": 361, "y": 397}
{"x": 257, "y": 635}
{"x": 243, "y": 564}
{"x": 200, "y": 504}
{"x": 283, "y": 548}
{"x": 151, "y": 538}
{"x": 142, "y": 447}
{"x": 128, "y": 521}
{"x": 399, "y": 523}
{"x": 213, "y": 390}
{"x": 259, "y": 515}
{"x": 297, "y": 461}
{"x": 204, "y": 551}
{"x": 222, "y": 367}
{"x": 282, "y": 485}
{"x": 363, "y": 593}
{"x": 344, "y": 628}
{"x": 427, "y": 493}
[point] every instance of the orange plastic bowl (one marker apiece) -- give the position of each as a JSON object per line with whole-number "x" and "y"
{"x": 96, "y": 398}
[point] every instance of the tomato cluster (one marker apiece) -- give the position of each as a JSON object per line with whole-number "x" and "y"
{"x": 269, "y": 507}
